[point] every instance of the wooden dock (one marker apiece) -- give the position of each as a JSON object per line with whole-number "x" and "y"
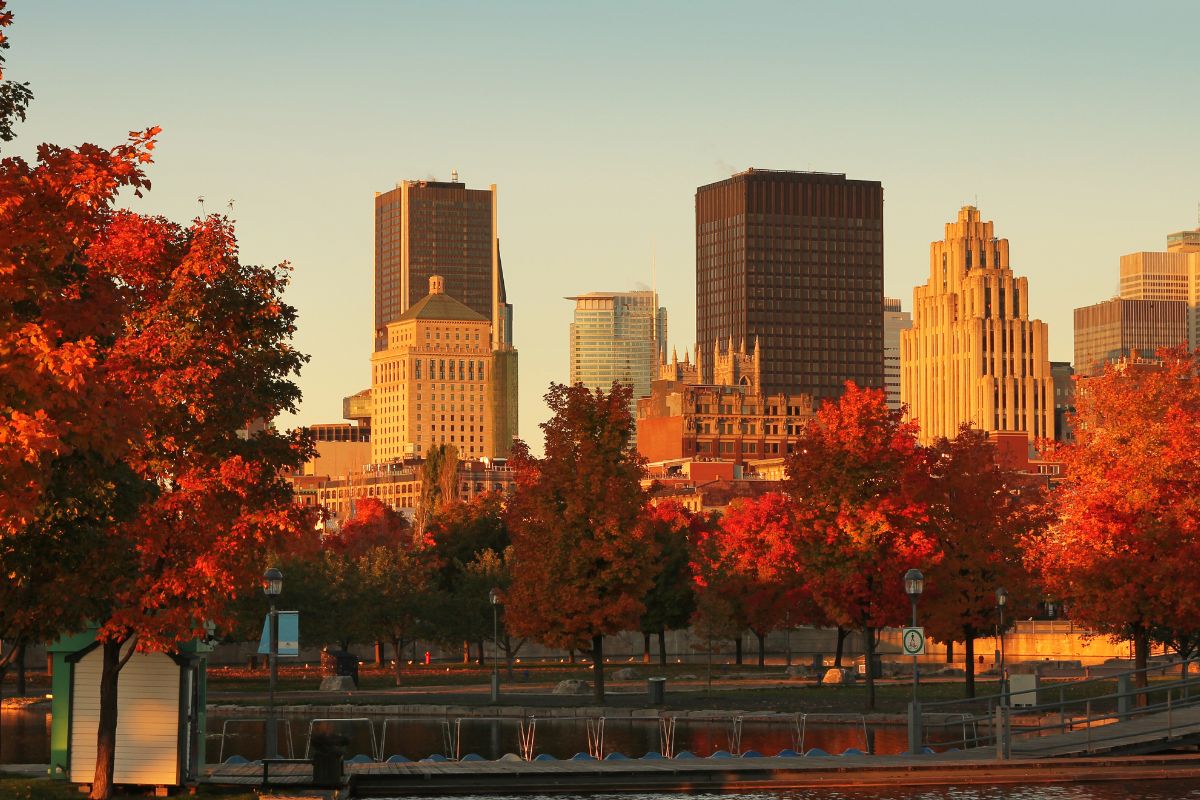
{"x": 1143, "y": 733}
{"x": 730, "y": 774}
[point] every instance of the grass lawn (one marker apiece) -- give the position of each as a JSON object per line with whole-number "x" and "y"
{"x": 23, "y": 788}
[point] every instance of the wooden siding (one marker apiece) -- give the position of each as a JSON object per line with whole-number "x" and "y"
{"x": 147, "y": 720}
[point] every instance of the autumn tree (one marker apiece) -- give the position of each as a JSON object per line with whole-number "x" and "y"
{"x": 134, "y": 350}
{"x": 439, "y": 483}
{"x": 1122, "y": 550}
{"x": 854, "y": 478}
{"x": 979, "y": 514}
{"x": 671, "y": 600}
{"x": 581, "y": 561}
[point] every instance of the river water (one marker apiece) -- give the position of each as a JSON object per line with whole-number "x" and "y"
{"x": 1146, "y": 790}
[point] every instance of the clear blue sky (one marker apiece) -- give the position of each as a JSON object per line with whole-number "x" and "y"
{"x": 1075, "y": 126}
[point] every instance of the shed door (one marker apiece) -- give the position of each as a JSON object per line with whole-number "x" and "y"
{"x": 147, "y": 720}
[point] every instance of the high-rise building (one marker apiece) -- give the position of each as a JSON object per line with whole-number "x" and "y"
{"x": 894, "y": 321}
{"x": 427, "y": 228}
{"x": 973, "y": 354}
{"x": 794, "y": 261}
{"x": 435, "y": 382}
{"x": 1173, "y": 275}
{"x": 1112, "y": 330}
{"x": 618, "y": 336}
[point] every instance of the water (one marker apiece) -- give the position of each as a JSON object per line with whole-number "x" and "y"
{"x": 559, "y": 737}
{"x": 25, "y": 736}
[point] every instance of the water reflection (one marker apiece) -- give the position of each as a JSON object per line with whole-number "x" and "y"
{"x": 1144, "y": 790}
{"x": 25, "y": 735}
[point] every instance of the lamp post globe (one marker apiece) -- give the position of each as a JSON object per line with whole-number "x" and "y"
{"x": 914, "y": 583}
{"x": 272, "y": 581}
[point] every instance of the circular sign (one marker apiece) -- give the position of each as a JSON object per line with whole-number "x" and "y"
{"x": 914, "y": 642}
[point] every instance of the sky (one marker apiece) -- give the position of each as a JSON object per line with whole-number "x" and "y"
{"x": 1074, "y": 126}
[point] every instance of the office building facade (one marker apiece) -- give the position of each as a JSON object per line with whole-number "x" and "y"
{"x": 894, "y": 320}
{"x": 794, "y": 261}
{"x": 1173, "y": 275}
{"x": 1109, "y": 331}
{"x": 973, "y": 354}
{"x": 618, "y": 336}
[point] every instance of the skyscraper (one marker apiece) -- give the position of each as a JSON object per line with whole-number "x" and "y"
{"x": 894, "y": 321}
{"x": 793, "y": 260}
{"x": 427, "y": 228}
{"x": 1173, "y": 275}
{"x": 618, "y": 336}
{"x": 431, "y": 228}
{"x": 973, "y": 354}
{"x": 1113, "y": 329}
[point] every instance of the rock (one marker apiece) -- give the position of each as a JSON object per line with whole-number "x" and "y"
{"x": 797, "y": 672}
{"x": 625, "y": 674}
{"x": 338, "y": 683}
{"x": 835, "y": 676}
{"x": 952, "y": 672}
{"x": 573, "y": 686}
{"x": 687, "y": 677}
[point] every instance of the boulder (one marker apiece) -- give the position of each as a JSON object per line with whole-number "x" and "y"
{"x": 573, "y": 686}
{"x": 338, "y": 683}
{"x": 796, "y": 671}
{"x": 625, "y": 674}
{"x": 835, "y": 676}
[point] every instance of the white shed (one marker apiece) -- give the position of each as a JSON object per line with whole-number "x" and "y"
{"x": 160, "y": 716}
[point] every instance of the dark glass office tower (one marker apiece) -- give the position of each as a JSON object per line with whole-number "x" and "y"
{"x": 794, "y": 261}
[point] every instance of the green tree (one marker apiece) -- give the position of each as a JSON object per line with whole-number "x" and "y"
{"x": 671, "y": 601}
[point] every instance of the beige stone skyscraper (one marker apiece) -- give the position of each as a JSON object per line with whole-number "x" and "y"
{"x": 972, "y": 353}
{"x": 1173, "y": 275}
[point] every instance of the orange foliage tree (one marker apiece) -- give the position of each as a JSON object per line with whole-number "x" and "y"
{"x": 1122, "y": 552}
{"x": 979, "y": 514}
{"x": 581, "y": 561}
{"x": 739, "y": 560}
{"x": 854, "y": 478}
{"x": 132, "y": 350}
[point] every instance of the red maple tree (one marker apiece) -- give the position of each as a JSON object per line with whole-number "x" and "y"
{"x": 133, "y": 352}
{"x": 1122, "y": 550}
{"x": 854, "y": 478}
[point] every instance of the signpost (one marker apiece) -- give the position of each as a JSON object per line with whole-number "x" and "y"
{"x": 913, "y": 642}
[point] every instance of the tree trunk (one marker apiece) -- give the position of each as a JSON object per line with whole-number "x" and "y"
{"x": 737, "y": 650}
{"x": 378, "y": 653}
{"x": 20, "y": 669}
{"x": 1141, "y": 654}
{"x": 466, "y": 651}
{"x": 762, "y": 649}
{"x": 841, "y": 646}
{"x": 480, "y": 660}
{"x": 508, "y": 655}
{"x": 645, "y": 647}
{"x": 598, "y": 663}
{"x": 870, "y": 657}
{"x": 106, "y": 730}
{"x": 970, "y": 661}
{"x": 396, "y": 645}
{"x": 949, "y": 652}
{"x": 662, "y": 645}
{"x": 571, "y": 656}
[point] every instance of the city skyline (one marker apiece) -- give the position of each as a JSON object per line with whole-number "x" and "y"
{"x": 1107, "y": 183}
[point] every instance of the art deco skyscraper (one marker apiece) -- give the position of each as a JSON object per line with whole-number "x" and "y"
{"x": 793, "y": 260}
{"x": 973, "y": 354}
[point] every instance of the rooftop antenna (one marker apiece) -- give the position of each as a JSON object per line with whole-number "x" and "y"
{"x": 200, "y": 200}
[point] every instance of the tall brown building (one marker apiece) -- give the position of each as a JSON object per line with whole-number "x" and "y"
{"x": 1113, "y": 329}
{"x": 427, "y": 228}
{"x": 973, "y": 354}
{"x": 793, "y": 260}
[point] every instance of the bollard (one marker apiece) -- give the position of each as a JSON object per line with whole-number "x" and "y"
{"x": 1124, "y": 697}
{"x": 495, "y": 686}
{"x": 656, "y": 691}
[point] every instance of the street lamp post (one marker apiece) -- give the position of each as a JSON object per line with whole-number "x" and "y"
{"x": 1001, "y": 602}
{"x": 272, "y": 587}
{"x": 494, "y": 598}
{"x": 914, "y": 584}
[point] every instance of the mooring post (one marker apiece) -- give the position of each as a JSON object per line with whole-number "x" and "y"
{"x": 1124, "y": 695}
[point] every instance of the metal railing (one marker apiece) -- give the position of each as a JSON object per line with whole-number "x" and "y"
{"x": 285, "y": 723}
{"x": 996, "y": 722}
